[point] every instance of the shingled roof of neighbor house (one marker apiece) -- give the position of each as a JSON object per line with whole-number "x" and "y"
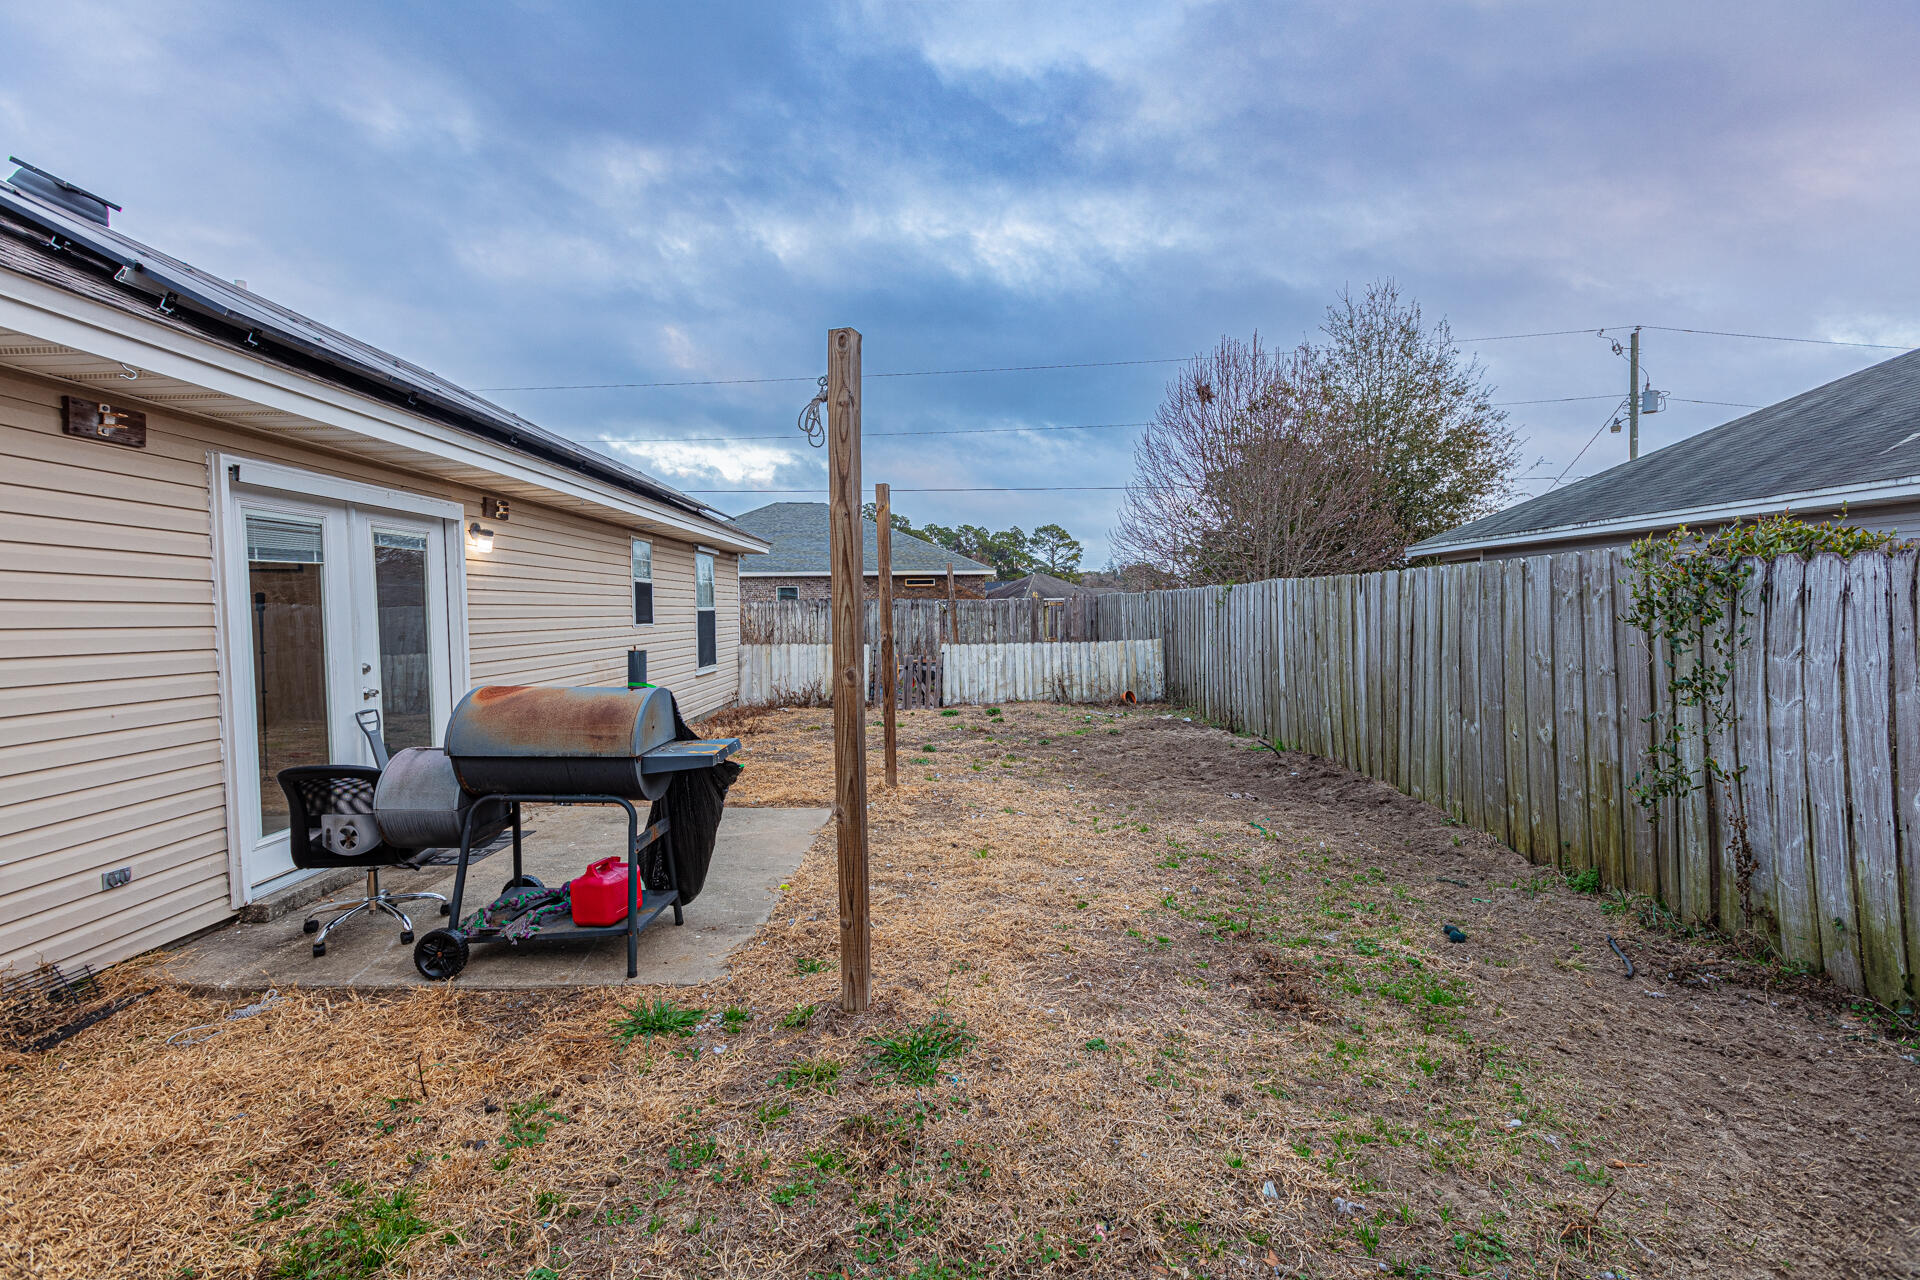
{"x": 1853, "y": 439}
{"x": 1045, "y": 585}
{"x": 798, "y": 532}
{"x": 59, "y": 234}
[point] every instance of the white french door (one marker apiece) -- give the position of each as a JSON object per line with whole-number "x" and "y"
{"x": 333, "y": 608}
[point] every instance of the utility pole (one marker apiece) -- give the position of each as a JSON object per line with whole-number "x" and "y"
{"x": 847, "y": 557}
{"x": 883, "y": 533}
{"x": 1633, "y": 395}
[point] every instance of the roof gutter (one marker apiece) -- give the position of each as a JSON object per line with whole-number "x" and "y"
{"x": 1865, "y": 494}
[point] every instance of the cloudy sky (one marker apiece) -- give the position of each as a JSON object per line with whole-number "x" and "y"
{"x": 524, "y": 195}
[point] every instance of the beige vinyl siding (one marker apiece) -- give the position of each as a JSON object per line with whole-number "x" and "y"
{"x": 110, "y": 748}
{"x": 553, "y": 604}
{"x": 109, "y": 696}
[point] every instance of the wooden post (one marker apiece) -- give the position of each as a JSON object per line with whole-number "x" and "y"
{"x": 883, "y": 534}
{"x": 953, "y": 609}
{"x": 847, "y": 560}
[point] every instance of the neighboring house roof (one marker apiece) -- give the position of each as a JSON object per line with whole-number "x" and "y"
{"x": 1855, "y": 440}
{"x": 1045, "y": 584}
{"x": 798, "y": 532}
{"x": 53, "y": 240}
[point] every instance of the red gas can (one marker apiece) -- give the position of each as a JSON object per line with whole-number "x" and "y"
{"x": 599, "y": 897}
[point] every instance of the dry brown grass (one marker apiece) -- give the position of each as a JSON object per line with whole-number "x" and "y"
{"x": 1173, "y": 1008}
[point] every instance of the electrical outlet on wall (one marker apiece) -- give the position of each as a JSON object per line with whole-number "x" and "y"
{"x": 115, "y": 878}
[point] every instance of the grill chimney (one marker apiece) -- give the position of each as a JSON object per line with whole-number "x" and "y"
{"x": 60, "y": 193}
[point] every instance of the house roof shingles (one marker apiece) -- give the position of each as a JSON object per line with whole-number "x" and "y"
{"x": 1855, "y": 430}
{"x": 798, "y": 532}
{"x": 1045, "y": 585}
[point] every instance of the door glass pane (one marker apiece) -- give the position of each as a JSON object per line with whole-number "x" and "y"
{"x": 406, "y": 662}
{"x": 284, "y": 568}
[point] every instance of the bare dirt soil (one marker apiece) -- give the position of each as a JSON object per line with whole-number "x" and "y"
{"x": 1149, "y": 999}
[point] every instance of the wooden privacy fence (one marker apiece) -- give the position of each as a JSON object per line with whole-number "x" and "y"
{"x": 922, "y": 626}
{"x": 790, "y": 675}
{"x": 1073, "y": 671}
{"x": 1510, "y": 694}
{"x": 800, "y": 674}
{"x": 923, "y": 630}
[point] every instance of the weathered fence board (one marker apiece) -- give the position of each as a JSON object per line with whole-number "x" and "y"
{"x": 1795, "y": 900}
{"x": 1827, "y": 768}
{"x": 1869, "y": 750}
{"x": 1904, "y": 662}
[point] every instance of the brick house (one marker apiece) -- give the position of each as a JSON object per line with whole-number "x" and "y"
{"x": 797, "y": 567}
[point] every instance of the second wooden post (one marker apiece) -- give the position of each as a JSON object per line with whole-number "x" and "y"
{"x": 889, "y": 667}
{"x": 846, "y": 559}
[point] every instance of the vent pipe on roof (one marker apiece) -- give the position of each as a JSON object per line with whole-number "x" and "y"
{"x": 60, "y": 193}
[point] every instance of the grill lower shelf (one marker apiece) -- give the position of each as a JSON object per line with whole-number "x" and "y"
{"x": 441, "y": 954}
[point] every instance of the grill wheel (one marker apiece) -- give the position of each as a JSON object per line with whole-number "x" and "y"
{"x": 441, "y": 954}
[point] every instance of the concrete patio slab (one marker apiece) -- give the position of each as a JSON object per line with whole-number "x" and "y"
{"x": 757, "y": 850}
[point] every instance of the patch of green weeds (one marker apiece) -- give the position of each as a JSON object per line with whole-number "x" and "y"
{"x": 285, "y": 1202}
{"x": 529, "y": 1122}
{"x": 820, "y": 1074}
{"x": 644, "y": 1020}
{"x": 800, "y": 1015}
{"x": 696, "y": 1154}
{"x": 809, "y": 964}
{"x": 735, "y": 1019}
{"x": 915, "y": 1056}
{"x": 367, "y": 1233}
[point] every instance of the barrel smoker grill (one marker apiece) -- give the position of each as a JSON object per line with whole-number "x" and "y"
{"x": 512, "y": 744}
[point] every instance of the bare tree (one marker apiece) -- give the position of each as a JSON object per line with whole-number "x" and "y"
{"x": 1250, "y": 471}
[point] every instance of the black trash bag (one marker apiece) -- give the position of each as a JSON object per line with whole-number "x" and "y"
{"x": 692, "y": 807}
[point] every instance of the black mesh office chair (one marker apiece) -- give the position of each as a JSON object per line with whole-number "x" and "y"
{"x": 331, "y": 824}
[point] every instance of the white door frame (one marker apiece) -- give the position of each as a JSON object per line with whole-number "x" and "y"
{"x": 236, "y": 478}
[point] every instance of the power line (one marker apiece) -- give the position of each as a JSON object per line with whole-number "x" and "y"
{"x": 1774, "y": 337}
{"x": 1588, "y": 445}
{"x": 1547, "y": 333}
{"x": 905, "y": 373}
{"x": 1079, "y": 426}
{"x": 869, "y": 435}
{"x": 1045, "y": 488}
{"x": 989, "y": 430}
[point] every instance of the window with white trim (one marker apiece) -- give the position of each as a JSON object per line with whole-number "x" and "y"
{"x": 642, "y": 582}
{"x": 786, "y": 593}
{"x": 706, "y": 622}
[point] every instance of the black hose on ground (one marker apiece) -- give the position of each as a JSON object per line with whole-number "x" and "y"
{"x": 1623, "y": 955}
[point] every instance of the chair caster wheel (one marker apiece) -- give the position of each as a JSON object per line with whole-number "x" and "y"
{"x": 319, "y": 949}
{"x": 440, "y": 954}
{"x": 446, "y": 908}
{"x": 407, "y": 936}
{"x": 310, "y": 926}
{"x": 523, "y": 882}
